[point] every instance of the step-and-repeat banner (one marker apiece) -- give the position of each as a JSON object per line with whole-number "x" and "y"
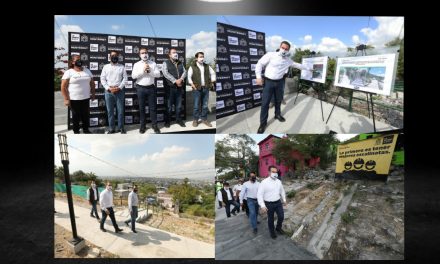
{"x": 238, "y": 51}
{"x": 94, "y": 50}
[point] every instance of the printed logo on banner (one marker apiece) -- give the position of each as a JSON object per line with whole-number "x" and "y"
{"x": 229, "y": 102}
{"x": 181, "y": 43}
{"x": 102, "y": 121}
{"x": 252, "y": 35}
{"x": 128, "y": 101}
{"x": 166, "y": 50}
{"x": 253, "y": 52}
{"x": 159, "y": 50}
{"x": 120, "y": 57}
{"x": 253, "y": 67}
{"x": 120, "y": 40}
{"x": 93, "y": 121}
{"x": 220, "y": 29}
{"x": 101, "y": 103}
{"x": 246, "y": 75}
{"x": 224, "y": 68}
{"x": 93, "y": 66}
{"x": 93, "y": 103}
{"x": 220, "y": 104}
{"x": 241, "y": 107}
{"x": 249, "y": 105}
{"x": 181, "y": 59}
{"x": 159, "y": 83}
{"x": 174, "y": 43}
{"x": 102, "y": 48}
{"x": 84, "y": 38}
{"x": 101, "y": 65}
{"x": 144, "y": 41}
{"x": 128, "y": 66}
{"x": 221, "y": 49}
{"x": 233, "y": 40}
{"x": 93, "y": 47}
{"x": 235, "y": 58}
{"x": 260, "y": 36}
{"x": 243, "y": 42}
{"x": 128, "y": 49}
{"x": 135, "y": 102}
{"x": 227, "y": 86}
{"x": 111, "y": 39}
{"x": 129, "y": 119}
{"x": 159, "y": 67}
{"x": 260, "y": 52}
{"x": 257, "y": 96}
{"x": 254, "y": 82}
{"x": 84, "y": 57}
{"x": 136, "y": 49}
{"x": 239, "y": 92}
{"x": 136, "y": 119}
{"x": 244, "y": 59}
{"x": 248, "y": 91}
{"x": 74, "y": 53}
{"x": 152, "y": 42}
{"x": 152, "y": 58}
{"x": 236, "y": 76}
{"x": 217, "y": 69}
{"x": 159, "y": 117}
{"x": 129, "y": 84}
{"x": 160, "y": 100}
{"x": 74, "y": 37}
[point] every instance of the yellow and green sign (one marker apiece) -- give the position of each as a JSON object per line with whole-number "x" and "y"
{"x": 370, "y": 158}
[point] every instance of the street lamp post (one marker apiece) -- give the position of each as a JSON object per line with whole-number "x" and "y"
{"x": 77, "y": 242}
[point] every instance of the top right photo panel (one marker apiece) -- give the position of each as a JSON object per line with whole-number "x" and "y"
{"x": 309, "y": 74}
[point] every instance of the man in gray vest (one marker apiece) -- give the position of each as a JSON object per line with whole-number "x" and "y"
{"x": 201, "y": 77}
{"x": 133, "y": 203}
{"x": 174, "y": 74}
{"x": 93, "y": 197}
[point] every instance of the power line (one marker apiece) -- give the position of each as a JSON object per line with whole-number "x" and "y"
{"x": 151, "y": 25}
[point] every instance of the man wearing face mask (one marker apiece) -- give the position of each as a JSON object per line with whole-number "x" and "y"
{"x": 276, "y": 65}
{"x": 270, "y": 195}
{"x": 106, "y": 202}
{"x": 113, "y": 78}
{"x": 236, "y": 190}
{"x": 249, "y": 194}
{"x": 93, "y": 197}
{"x": 201, "y": 77}
{"x": 226, "y": 196}
{"x": 144, "y": 71}
{"x": 174, "y": 74}
{"x": 133, "y": 203}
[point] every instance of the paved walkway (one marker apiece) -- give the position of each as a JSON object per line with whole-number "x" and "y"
{"x": 147, "y": 243}
{"x": 303, "y": 117}
{"x": 234, "y": 240}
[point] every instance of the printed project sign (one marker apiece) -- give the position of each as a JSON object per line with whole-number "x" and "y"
{"x": 373, "y": 74}
{"x": 319, "y": 65}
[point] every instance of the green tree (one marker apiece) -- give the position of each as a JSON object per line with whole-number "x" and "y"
{"x": 185, "y": 194}
{"x": 59, "y": 173}
{"x": 398, "y": 42}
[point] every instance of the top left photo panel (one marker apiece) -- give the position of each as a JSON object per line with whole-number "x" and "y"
{"x": 134, "y": 74}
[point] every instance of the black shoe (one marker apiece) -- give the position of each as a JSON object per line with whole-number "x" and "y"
{"x": 126, "y": 223}
{"x": 261, "y": 129}
{"x": 123, "y": 131}
{"x": 167, "y": 124}
{"x": 134, "y": 231}
{"x": 273, "y": 235}
{"x": 110, "y": 131}
{"x": 103, "y": 230}
{"x": 98, "y": 218}
{"x": 142, "y": 130}
{"x": 234, "y": 214}
{"x": 180, "y": 122}
{"x": 255, "y": 231}
{"x": 87, "y": 132}
{"x": 91, "y": 215}
{"x": 156, "y": 129}
{"x": 280, "y": 231}
{"x": 118, "y": 230}
{"x": 280, "y": 118}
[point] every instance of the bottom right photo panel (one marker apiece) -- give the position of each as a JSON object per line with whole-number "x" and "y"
{"x": 309, "y": 196}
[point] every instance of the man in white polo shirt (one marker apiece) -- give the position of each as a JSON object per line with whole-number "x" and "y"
{"x": 270, "y": 194}
{"x": 249, "y": 193}
{"x": 276, "y": 65}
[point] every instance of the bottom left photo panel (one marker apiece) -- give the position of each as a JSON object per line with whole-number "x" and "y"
{"x": 134, "y": 196}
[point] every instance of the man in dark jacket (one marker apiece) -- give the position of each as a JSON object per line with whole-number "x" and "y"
{"x": 226, "y": 196}
{"x": 93, "y": 197}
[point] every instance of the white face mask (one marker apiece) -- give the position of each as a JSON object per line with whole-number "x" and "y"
{"x": 226, "y": 188}
{"x": 144, "y": 57}
{"x": 284, "y": 53}
{"x": 274, "y": 175}
{"x": 175, "y": 56}
{"x": 109, "y": 188}
{"x": 93, "y": 185}
{"x": 200, "y": 60}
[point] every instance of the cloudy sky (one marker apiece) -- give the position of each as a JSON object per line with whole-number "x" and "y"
{"x": 199, "y": 31}
{"x": 330, "y": 35}
{"x": 170, "y": 156}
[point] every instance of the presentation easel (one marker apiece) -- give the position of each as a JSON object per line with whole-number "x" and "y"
{"x": 363, "y": 53}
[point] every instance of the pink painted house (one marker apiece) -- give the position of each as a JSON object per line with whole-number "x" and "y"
{"x": 266, "y": 158}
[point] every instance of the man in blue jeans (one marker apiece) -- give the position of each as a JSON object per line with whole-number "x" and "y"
{"x": 226, "y": 196}
{"x": 201, "y": 77}
{"x": 276, "y": 65}
{"x": 272, "y": 198}
{"x": 249, "y": 192}
{"x": 93, "y": 197}
{"x": 113, "y": 78}
{"x": 133, "y": 203}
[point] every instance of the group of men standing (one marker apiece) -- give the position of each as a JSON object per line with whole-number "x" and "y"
{"x": 256, "y": 198}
